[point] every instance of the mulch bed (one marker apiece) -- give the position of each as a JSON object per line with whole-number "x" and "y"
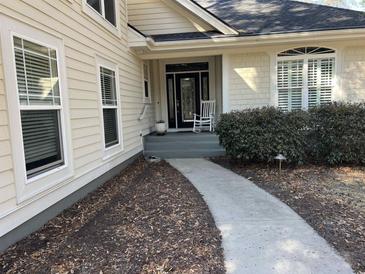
{"x": 149, "y": 219}
{"x": 330, "y": 199}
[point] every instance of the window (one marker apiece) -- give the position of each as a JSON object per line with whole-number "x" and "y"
{"x": 146, "y": 82}
{"x": 40, "y": 105}
{"x": 305, "y": 77}
{"x": 37, "y": 97}
{"x": 110, "y": 107}
{"x": 106, "y": 8}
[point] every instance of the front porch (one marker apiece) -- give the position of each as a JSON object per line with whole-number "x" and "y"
{"x": 180, "y": 85}
{"x": 183, "y": 145}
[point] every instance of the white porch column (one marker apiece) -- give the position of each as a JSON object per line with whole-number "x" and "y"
{"x": 225, "y": 83}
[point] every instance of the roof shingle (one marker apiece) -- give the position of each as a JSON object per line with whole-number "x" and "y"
{"x": 259, "y": 17}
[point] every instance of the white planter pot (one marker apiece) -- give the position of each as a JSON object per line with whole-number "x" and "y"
{"x": 160, "y": 128}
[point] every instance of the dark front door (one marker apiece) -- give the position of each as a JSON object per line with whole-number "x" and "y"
{"x": 187, "y": 98}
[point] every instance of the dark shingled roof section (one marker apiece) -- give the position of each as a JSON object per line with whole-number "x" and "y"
{"x": 258, "y": 17}
{"x": 185, "y": 36}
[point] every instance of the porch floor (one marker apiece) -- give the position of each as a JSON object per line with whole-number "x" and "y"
{"x": 183, "y": 145}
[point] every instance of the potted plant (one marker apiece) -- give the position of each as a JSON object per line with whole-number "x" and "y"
{"x": 160, "y": 127}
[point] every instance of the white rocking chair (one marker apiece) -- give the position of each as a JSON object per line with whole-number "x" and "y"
{"x": 206, "y": 118}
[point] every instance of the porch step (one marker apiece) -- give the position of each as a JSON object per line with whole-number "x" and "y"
{"x": 183, "y": 145}
{"x": 172, "y": 154}
{"x": 186, "y": 137}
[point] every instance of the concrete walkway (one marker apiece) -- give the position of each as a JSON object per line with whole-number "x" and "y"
{"x": 260, "y": 233}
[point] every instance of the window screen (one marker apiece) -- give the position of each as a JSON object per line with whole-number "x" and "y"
{"x": 38, "y": 88}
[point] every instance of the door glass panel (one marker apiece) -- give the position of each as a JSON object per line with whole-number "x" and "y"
{"x": 171, "y": 101}
{"x": 205, "y": 86}
{"x": 188, "y": 98}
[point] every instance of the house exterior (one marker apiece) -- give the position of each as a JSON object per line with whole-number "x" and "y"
{"x": 82, "y": 81}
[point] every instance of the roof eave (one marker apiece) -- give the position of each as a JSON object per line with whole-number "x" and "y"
{"x": 259, "y": 39}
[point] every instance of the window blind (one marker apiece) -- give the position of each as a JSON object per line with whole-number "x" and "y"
{"x": 107, "y": 78}
{"x": 305, "y": 77}
{"x": 320, "y": 81}
{"x": 41, "y": 137}
{"x": 110, "y": 127}
{"x": 37, "y": 74}
{"x": 290, "y": 84}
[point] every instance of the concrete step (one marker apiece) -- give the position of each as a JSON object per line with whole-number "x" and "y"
{"x": 181, "y": 145}
{"x": 170, "y": 154}
{"x": 183, "y": 137}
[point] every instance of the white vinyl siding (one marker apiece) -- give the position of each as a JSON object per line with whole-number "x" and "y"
{"x": 157, "y": 17}
{"x": 249, "y": 80}
{"x": 353, "y": 73}
{"x": 305, "y": 78}
{"x": 83, "y": 39}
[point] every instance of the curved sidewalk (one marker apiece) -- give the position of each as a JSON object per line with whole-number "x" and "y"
{"x": 260, "y": 233}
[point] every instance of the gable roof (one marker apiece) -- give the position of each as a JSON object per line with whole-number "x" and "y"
{"x": 207, "y": 16}
{"x": 260, "y": 17}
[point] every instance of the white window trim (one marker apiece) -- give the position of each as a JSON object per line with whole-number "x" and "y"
{"x": 100, "y": 18}
{"x": 146, "y": 100}
{"x": 115, "y": 150}
{"x": 28, "y": 188}
{"x": 305, "y": 58}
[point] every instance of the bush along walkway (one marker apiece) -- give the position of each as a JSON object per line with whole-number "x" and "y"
{"x": 260, "y": 233}
{"x": 330, "y": 199}
{"x": 150, "y": 219}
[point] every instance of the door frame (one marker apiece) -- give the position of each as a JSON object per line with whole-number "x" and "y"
{"x": 162, "y": 112}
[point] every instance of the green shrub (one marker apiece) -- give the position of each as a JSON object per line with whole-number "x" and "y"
{"x": 259, "y": 135}
{"x": 338, "y": 134}
{"x": 331, "y": 134}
